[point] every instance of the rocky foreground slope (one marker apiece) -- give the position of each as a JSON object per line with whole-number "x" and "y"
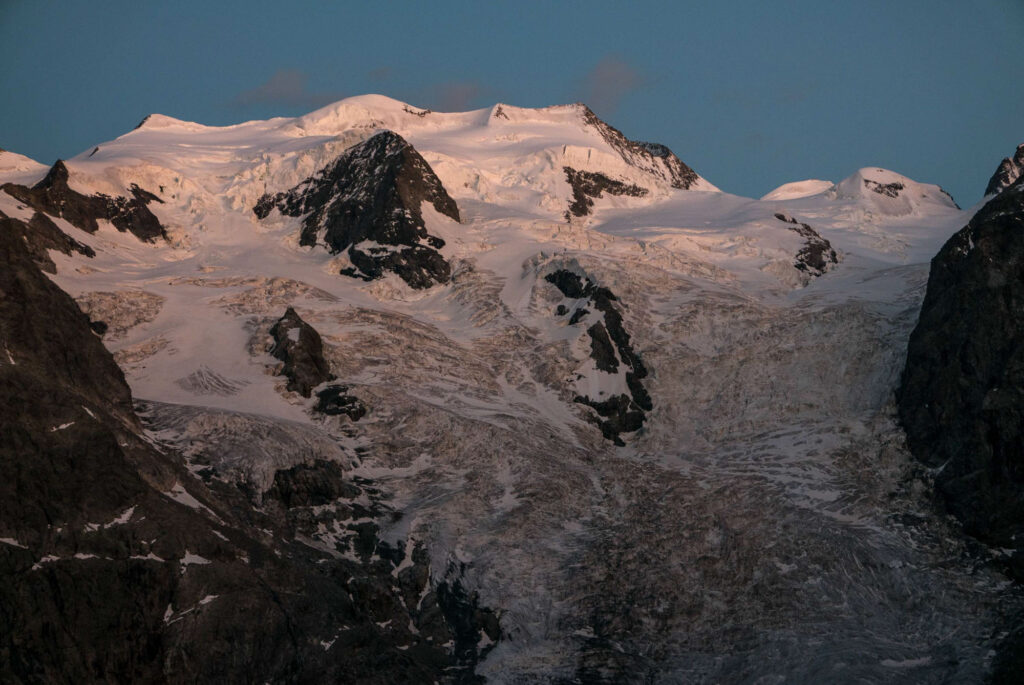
{"x": 497, "y": 395}
{"x": 121, "y": 566}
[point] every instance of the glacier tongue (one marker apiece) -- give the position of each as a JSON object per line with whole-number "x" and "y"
{"x": 761, "y": 519}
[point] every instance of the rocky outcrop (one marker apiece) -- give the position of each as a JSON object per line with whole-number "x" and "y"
{"x": 42, "y": 235}
{"x": 1010, "y": 169}
{"x": 334, "y": 400}
{"x": 817, "y": 255}
{"x": 612, "y": 352}
{"x": 299, "y": 346}
{"x": 886, "y": 189}
{"x": 367, "y": 203}
{"x": 55, "y": 197}
{"x": 119, "y": 565}
{"x": 588, "y": 185}
{"x": 653, "y": 158}
{"x": 961, "y": 399}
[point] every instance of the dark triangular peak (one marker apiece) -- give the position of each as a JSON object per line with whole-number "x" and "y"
{"x": 300, "y": 347}
{"x": 654, "y": 158}
{"x": 1010, "y": 169}
{"x": 55, "y": 197}
{"x": 368, "y": 202}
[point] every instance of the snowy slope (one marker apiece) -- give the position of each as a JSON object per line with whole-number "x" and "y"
{"x": 764, "y": 487}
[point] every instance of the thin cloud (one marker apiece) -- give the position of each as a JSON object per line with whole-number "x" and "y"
{"x": 456, "y": 96}
{"x": 611, "y": 80}
{"x": 286, "y": 87}
{"x": 451, "y": 96}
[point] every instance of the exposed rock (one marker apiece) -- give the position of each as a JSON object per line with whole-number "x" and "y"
{"x": 620, "y": 414}
{"x": 601, "y": 349}
{"x": 962, "y": 394}
{"x": 651, "y": 157}
{"x": 334, "y": 401}
{"x": 311, "y": 485}
{"x": 587, "y": 185}
{"x": 368, "y": 202}
{"x": 1010, "y": 169}
{"x": 886, "y": 189}
{"x": 126, "y": 568}
{"x": 41, "y": 235}
{"x": 578, "y": 315}
{"x": 299, "y": 346}
{"x": 817, "y": 256}
{"x": 609, "y": 344}
{"x": 54, "y": 196}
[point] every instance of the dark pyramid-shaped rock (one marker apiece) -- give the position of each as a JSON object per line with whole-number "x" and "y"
{"x": 1010, "y": 169}
{"x": 368, "y": 202}
{"x": 299, "y": 346}
{"x": 55, "y": 197}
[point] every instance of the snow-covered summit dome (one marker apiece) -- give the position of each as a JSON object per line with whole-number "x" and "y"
{"x": 891, "y": 193}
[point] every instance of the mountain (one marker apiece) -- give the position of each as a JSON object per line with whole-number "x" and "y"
{"x": 1008, "y": 172}
{"x": 962, "y": 394}
{"x": 498, "y": 395}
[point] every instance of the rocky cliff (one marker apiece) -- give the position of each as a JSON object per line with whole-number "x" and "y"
{"x": 962, "y": 394}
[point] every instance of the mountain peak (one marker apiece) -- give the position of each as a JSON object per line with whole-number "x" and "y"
{"x": 891, "y": 193}
{"x": 1010, "y": 169}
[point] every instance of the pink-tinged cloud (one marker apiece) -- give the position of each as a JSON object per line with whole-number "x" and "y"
{"x": 286, "y": 87}
{"x": 611, "y": 80}
{"x": 456, "y": 96}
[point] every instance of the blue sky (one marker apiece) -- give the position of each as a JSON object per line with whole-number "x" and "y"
{"x": 751, "y": 94}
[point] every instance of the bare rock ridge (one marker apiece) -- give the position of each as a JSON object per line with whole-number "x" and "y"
{"x": 961, "y": 399}
{"x": 587, "y": 185}
{"x": 654, "y": 158}
{"x": 368, "y": 203}
{"x": 299, "y": 346}
{"x": 120, "y": 565}
{"x": 610, "y": 347}
{"x": 334, "y": 400}
{"x": 41, "y": 234}
{"x": 886, "y": 189}
{"x": 817, "y": 256}
{"x": 1009, "y": 170}
{"x": 54, "y": 196}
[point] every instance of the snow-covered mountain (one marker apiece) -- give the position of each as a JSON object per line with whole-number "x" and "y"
{"x": 641, "y": 429}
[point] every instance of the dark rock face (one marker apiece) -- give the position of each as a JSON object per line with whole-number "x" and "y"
{"x": 119, "y": 566}
{"x": 368, "y": 202}
{"x": 961, "y": 399}
{"x": 886, "y": 189}
{"x": 334, "y": 401}
{"x": 40, "y": 235}
{"x": 817, "y": 256}
{"x": 311, "y": 485}
{"x": 53, "y": 196}
{"x": 651, "y": 157}
{"x": 299, "y": 346}
{"x": 1010, "y": 169}
{"x": 610, "y": 346}
{"x": 587, "y": 185}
